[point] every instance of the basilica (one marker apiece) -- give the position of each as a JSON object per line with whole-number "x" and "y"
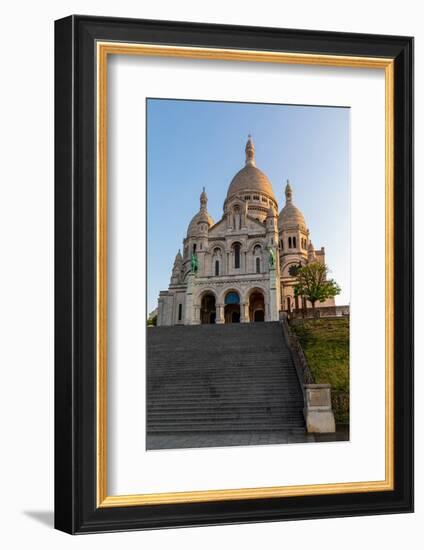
{"x": 241, "y": 268}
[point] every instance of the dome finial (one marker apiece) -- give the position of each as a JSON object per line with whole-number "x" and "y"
{"x": 203, "y": 199}
{"x": 250, "y": 151}
{"x": 288, "y": 192}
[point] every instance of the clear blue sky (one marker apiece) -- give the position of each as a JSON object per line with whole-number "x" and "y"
{"x": 191, "y": 144}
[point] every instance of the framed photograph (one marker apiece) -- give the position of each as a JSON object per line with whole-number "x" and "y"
{"x": 234, "y": 274}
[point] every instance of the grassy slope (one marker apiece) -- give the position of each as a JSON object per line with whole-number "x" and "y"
{"x": 325, "y": 343}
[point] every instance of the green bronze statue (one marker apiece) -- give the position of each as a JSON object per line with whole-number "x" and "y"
{"x": 194, "y": 263}
{"x": 271, "y": 257}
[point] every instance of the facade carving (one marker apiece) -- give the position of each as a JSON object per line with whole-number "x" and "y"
{"x": 241, "y": 268}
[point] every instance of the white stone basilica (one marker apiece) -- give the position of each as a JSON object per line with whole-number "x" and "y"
{"x": 240, "y": 269}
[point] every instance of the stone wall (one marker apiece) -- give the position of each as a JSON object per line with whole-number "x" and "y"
{"x": 299, "y": 359}
{"x": 309, "y": 313}
{"x": 318, "y": 399}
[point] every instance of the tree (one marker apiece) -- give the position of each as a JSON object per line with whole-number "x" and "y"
{"x": 312, "y": 283}
{"x": 293, "y": 269}
{"x": 152, "y": 321}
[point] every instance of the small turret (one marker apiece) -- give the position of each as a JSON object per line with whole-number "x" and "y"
{"x": 271, "y": 219}
{"x": 177, "y": 269}
{"x": 203, "y": 200}
{"x": 250, "y": 151}
{"x": 311, "y": 252}
{"x": 201, "y": 222}
{"x": 288, "y": 192}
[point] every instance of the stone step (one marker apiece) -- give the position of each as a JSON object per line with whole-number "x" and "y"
{"x": 213, "y": 428}
{"x": 274, "y": 385}
{"x": 189, "y": 405}
{"x": 225, "y": 375}
{"x": 228, "y": 406}
{"x": 221, "y": 378}
{"x": 177, "y": 418}
{"x": 214, "y": 392}
{"x": 212, "y": 424}
{"x": 217, "y": 399}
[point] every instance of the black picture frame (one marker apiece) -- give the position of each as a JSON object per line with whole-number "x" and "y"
{"x": 76, "y": 508}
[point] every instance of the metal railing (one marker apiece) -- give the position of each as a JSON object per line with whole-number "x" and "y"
{"x": 303, "y": 373}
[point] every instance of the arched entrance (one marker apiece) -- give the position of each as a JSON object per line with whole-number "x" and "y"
{"x": 256, "y": 307}
{"x": 232, "y": 308}
{"x": 208, "y": 309}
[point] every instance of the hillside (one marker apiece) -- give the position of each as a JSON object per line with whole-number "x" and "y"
{"x": 325, "y": 343}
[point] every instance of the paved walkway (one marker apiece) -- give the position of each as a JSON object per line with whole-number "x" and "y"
{"x": 229, "y": 439}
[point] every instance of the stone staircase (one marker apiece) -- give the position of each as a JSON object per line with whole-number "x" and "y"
{"x": 221, "y": 378}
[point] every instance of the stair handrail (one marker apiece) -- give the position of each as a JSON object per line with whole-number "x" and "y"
{"x": 301, "y": 365}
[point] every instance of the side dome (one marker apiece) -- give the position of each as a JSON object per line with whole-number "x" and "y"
{"x": 193, "y": 226}
{"x": 290, "y": 216}
{"x": 250, "y": 179}
{"x": 201, "y": 217}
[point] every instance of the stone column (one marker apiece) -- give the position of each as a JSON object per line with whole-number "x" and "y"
{"x": 220, "y": 314}
{"x": 244, "y": 312}
{"x": 196, "y": 320}
{"x": 201, "y": 263}
{"x": 274, "y": 294}
{"x": 189, "y": 309}
{"x": 160, "y": 312}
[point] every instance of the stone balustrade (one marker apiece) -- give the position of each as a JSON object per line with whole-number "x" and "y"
{"x": 318, "y": 412}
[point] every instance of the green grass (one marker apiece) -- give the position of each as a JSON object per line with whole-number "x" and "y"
{"x": 325, "y": 343}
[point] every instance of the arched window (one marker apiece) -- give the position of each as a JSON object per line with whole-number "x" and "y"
{"x": 258, "y": 265}
{"x": 236, "y": 255}
{"x": 290, "y": 242}
{"x": 194, "y": 248}
{"x": 216, "y": 261}
{"x": 294, "y": 242}
{"x": 232, "y": 298}
{"x": 180, "y": 312}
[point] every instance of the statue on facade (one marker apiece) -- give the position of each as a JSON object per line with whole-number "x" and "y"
{"x": 271, "y": 257}
{"x": 194, "y": 263}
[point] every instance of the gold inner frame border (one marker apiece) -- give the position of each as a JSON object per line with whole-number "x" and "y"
{"x": 103, "y": 50}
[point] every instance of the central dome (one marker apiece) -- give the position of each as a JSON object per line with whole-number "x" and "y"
{"x": 250, "y": 179}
